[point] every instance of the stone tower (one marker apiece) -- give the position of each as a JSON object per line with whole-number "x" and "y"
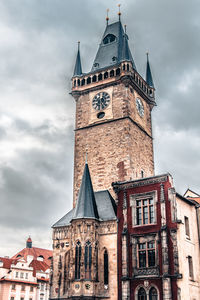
{"x": 113, "y": 115}
{"x": 113, "y": 130}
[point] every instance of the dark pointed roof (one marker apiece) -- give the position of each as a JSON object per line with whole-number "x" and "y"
{"x": 86, "y": 205}
{"x": 149, "y": 78}
{"x": 106, "y": 206}
{"x": 78, "y": 68}
{"x": 113, "y": 48}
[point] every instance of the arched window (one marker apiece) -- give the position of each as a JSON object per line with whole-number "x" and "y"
{"x": 94, "y": 78}
{"x": 88, "y": 80}
{"x": 142, "y": 294}
{"x": 88, "y": 260}
{"x": 78, "y": 85}
{"x": 105, "y": 75}
{"x": 153, "y": 295}
{"x": 105, "y": 260}
{"x": 100, "y": 77}
{"x": 97, "y": 265}
{"x": 127, "y": 67}
{"x": 118, "y": 71}
{"x": 77, "y": 260}
{"x": 111, "y": 73}
{"x": 83, "y": 82}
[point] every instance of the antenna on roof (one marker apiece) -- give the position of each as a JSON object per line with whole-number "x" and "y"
{"x": 119, "y": 13}
{"x": 107, "y": 18}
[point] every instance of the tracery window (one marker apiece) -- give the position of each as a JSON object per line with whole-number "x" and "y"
{"x": 142, "y": 294}
{"x": 153, "y": 295}
{"x": 105, "y": 259}
{"x": 77, "y": 260}
{"x": 88, "y": 260}
{"x": 146, "y": 254}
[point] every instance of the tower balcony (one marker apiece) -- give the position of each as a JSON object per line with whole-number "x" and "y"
{"x": 120, "y": 72}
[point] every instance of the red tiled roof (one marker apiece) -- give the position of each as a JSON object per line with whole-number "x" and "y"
{"x": 38, "y": 266}
{"x": 7, "y": 262}
{"x": 35, "y": 252}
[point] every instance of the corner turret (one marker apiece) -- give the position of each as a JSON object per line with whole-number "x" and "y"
{"x": 149, "y": 78}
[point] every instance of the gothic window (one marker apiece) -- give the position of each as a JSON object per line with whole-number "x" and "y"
{"x": 109, "y": 39}
{"x": 105, "y": 75}
{"x": 105, "y": 259}
{"x": 144, "y": 211}
{"x": 118, "y": 71}
{"x": 77, "y": 260}
{"x": 146, "y": 254}
{"x": 187, "y": 229}
{"x": 190, "y": 265}
{"x": 153, "y": 295}
{"x": 88, "y": 260}
{"x": 97, "y": 265}
{"x": 142, "y": 294}
{"x": 99, "y": 77}
{"x": 111, "y": 73}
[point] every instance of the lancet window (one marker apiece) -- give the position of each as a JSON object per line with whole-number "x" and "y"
{"x": 105, "y": 258}
{"x": 88, "y": 260}
{"x": 77, "y": 260}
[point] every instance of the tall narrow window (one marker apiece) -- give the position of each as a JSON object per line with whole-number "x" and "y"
{"x": 142, "y": 294}
{"x": 153, "y": 295}
{"x": 105, "y": 258}
{"x": 190, "y": 264}
{"x": 77, "y": 260}
{"x": 88, "y": 260}
{"x": 187, "y": 228}
{"x": 97, "y": 265}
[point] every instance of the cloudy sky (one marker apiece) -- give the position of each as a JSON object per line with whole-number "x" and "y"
{"x": 38, "y": 43}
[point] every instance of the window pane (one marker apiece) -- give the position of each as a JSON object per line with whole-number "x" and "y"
{"x": 151, "y": 258}
{"x": 139, "y": 216}
{"x": 142, "y": 259}
{"x": 145, "y": 215}
{"x": 105, "y": 267}
{"x": 151, "y": 214}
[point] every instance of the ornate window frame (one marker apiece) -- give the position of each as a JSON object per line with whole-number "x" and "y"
{"x": 147, "y": 290}
{"x": 146, "y": 271}
{"x": 133, "y": 205}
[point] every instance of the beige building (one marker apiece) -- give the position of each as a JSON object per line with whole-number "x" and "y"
{"x": 188, "y": 240}
{"x": 25, "y": 276}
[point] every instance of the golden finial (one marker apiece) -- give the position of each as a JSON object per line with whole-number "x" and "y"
{"x": 107, "y": 18}
{"x": 119, "y": 13}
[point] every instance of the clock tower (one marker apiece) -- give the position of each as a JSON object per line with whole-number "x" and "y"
{"x": 113, "y": 115}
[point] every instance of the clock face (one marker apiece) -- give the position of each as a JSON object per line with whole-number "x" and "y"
{"x": 140, "y": 107}
{"x": 101, "y": 101}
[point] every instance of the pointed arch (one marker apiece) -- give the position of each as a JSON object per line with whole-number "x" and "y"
{"x": 78, "y": 260}
{"x": 153, "y": 294}
{"x": 142, "y": 294}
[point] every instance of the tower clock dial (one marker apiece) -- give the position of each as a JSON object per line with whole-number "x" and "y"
{"x": 101, "y": 101}
{"x": 140, "y": 107}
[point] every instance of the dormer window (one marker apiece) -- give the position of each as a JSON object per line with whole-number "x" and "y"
{"x": 109, "y": 39}
{"x": 40, "y": 258}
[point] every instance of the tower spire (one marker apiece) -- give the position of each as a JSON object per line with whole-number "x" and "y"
{"x": 149, "y": 78}
{"x": 78, "y": 68}
{"x": 86, "y": 205}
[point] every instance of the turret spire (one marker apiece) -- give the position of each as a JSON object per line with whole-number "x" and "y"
{"x": 78, "y": 68}
{"x": 107, "y": 17}
{"x": 149, "y": 78}
{"x": 119, "y": 12}
{"x": 86, "y": 205}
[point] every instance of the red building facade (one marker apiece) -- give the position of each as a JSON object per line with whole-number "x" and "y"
{"x": 147, "y": 239}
